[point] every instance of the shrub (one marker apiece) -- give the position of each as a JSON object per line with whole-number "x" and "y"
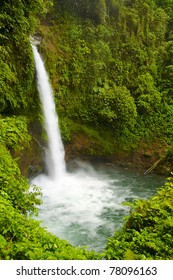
{"x": 148, "y": 231}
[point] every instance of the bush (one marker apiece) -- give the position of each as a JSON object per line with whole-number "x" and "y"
{"x": 148, "y": 231}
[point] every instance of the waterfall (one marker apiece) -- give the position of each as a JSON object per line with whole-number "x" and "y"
{"x": 74, "y": 202}
{"x": 55, "y": 157}
{"x": 83, "y": 206}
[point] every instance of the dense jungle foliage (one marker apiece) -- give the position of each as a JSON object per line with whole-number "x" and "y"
{"x": 111, "y": 68}
{"x": 147, "y": 232}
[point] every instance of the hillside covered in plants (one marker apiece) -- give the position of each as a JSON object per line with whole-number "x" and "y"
{"x": 110, "y": 66}
{"x": 111, "y": 69}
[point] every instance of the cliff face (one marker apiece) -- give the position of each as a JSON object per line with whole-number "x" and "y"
{"x": 107, "y": 69}
{"x": 110, "y": 67}
{"x": 148, "y": 158}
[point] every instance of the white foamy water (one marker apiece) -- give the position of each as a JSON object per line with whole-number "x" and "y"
{"x": 76, "y": 209}
{"x": 84, "y": 206}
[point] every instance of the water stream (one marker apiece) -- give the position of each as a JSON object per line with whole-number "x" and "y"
{"x": 55, "y": 157}
{"x": 83, "y": 205}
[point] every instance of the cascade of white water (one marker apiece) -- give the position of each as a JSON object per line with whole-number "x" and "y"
{"x": 55, "y": 156}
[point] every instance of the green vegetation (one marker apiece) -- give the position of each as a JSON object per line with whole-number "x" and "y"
{"x": 111, "y": 67}
{"x": 147, "y": 232}
{"x": 109, "y": 62}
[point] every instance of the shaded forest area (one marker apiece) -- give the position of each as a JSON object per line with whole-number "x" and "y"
{"x": 111, "y": 68}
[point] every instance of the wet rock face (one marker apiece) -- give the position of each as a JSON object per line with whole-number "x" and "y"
{"x": 36, "y": 38}
{"x": 30, "y": 160}
{"x": 31, "y": 157}
{"x": 151, "y": 158}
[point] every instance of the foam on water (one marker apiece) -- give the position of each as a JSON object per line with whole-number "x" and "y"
{"x": 74, "y": 210}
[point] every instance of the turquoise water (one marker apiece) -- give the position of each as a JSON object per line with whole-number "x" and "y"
{"x": 87, "y": 208}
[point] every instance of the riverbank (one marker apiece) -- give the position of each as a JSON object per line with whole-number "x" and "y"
{"x": 147, "y": 157}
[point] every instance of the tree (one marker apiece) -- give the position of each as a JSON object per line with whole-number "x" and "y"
{"x": 114, "y": 106}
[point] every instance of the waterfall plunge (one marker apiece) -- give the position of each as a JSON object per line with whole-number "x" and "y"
{"x": 74, "y": 204}
{"x": 83, "y": 207}
{"x": 55, "y": 157}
